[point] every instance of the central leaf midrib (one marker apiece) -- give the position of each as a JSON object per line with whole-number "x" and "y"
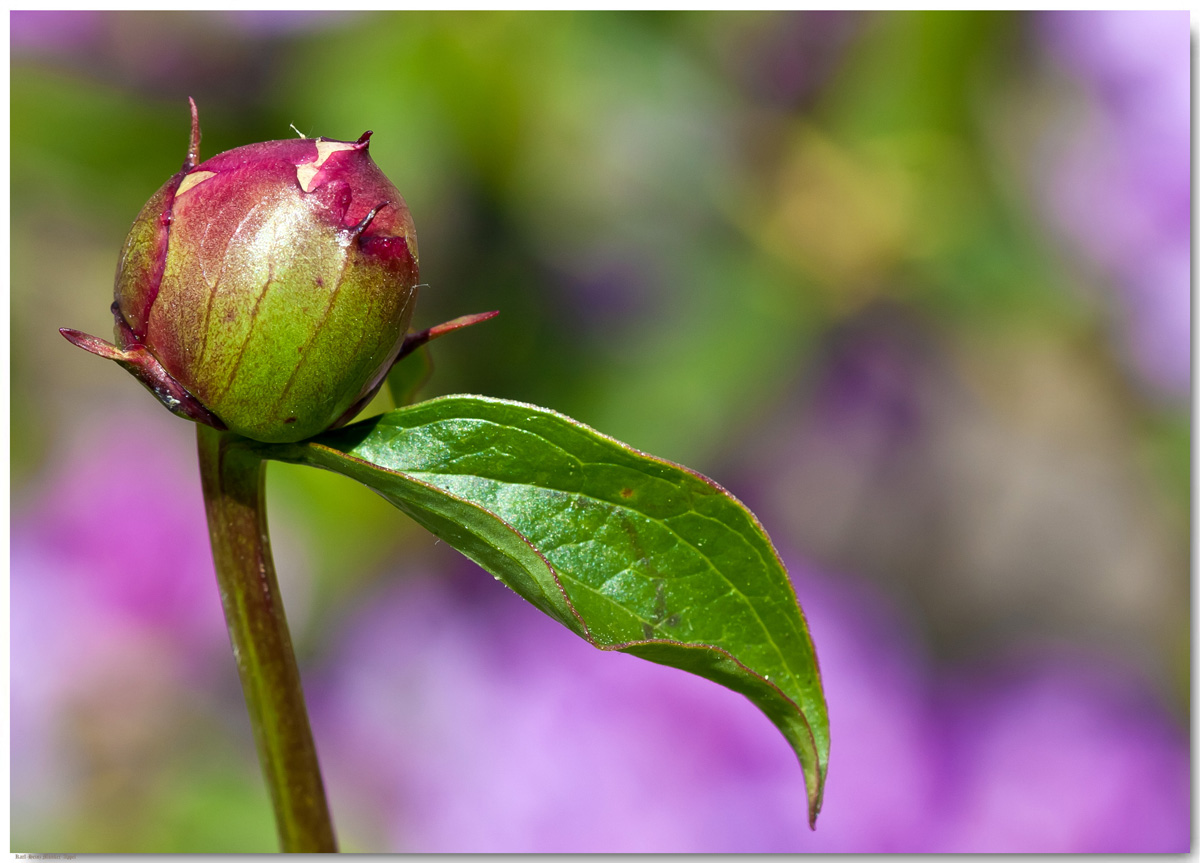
{"x": 695, "y": 505}
{"x": 398, "y": 432}
{"x": 431, "y": 476}
{"x": 389, "y": 431}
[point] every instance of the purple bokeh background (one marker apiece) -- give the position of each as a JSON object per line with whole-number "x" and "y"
{"x": 1117, "y": 181}
{"x": 451, "y": 716}
{"x": 520, "y": 738}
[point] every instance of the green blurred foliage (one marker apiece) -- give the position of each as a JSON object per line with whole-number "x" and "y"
{"x": 534, "y": 149}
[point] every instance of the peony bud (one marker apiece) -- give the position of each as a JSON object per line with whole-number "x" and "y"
{"x": 267, "y": 290}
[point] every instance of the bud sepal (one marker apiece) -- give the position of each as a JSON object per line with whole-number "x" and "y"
{"x": 267, "y": 290}
{"x": 139, "y": 362}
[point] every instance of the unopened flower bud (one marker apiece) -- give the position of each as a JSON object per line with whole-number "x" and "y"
{"x": 267, "y": 290}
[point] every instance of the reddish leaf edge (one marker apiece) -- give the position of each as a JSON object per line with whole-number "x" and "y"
{"x": 814, "y": 791}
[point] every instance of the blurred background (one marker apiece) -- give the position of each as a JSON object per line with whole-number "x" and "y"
{"x": 915, "y": 287}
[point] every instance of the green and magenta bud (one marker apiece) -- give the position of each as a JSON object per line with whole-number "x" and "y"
{"x": 267, "y": 290}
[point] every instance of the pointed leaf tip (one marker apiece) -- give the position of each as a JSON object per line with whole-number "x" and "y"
{"x": 631, "y": 552}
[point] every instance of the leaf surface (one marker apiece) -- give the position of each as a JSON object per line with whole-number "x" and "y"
{"x": 631, "y": 552}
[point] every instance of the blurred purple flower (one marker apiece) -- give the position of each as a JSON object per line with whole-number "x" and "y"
{"x": 114, "y": 612}
{"x": 476, "y": 724}
{"x": 1119, "y": 184}
{"x": 462, "y": 720}
{"x": 606, "y": 287}
{"x": 225, "y": 56}
{"x": 64, "y": 32}
{"x": 451, "y": 716}
{"x": 54, "y": 32}
{"x": 80, "y": 671}
{"x": 874, "y": 380}
{"x": 278, "y": 22}
{"x": 787, "y": 58}
{"x": 123, "y": 534}
{"x": 1060, "y": 753}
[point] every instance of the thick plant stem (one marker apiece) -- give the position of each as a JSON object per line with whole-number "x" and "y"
{"x": 233, "y": 479}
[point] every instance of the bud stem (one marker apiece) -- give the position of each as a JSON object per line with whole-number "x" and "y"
{"x": 233, "y": 478}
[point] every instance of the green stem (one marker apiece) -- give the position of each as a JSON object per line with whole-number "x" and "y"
{"x": 233, "y": 477}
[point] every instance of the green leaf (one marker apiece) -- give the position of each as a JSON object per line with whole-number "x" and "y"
{"x": 631, "y": 552}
